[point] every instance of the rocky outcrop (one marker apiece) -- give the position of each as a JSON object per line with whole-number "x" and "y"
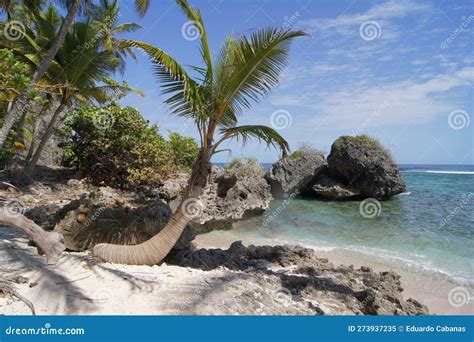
{"x": 323, "y": 186}
{"x": 293, "y": 174}
{"x": 232, "y": 194}
{"x": 311, "y": 284}
{"x": 363, "y": 165}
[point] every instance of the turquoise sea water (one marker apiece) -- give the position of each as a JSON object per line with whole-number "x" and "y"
{"x": 430, "y": 227}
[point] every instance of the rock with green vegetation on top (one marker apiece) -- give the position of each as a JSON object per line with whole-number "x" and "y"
{"x": 365, "y": 167}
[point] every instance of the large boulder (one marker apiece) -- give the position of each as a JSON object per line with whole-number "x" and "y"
{"x": 293, "y": 174}
{"x": 365, "y": 167}
{"x": 237, "y": 192}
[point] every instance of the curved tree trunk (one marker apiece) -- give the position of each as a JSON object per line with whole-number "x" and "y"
{"x": 20, "y": 104}
{"x": 154, "y": 250}
{"x": 30, "y": 167}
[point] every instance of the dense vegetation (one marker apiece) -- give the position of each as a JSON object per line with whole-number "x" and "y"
{"x": 71, "y": 60}
{"x": 116, "y": 146}
{"x": 71, "y": 94}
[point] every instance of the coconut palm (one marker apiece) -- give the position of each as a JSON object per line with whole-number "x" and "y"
{"x": 47, "y": 52}
{"x": 243, "y": 72}
{"x": 47, "y": 57}
{"x": 105, "y": 16}
{"x": 80, "y": 83}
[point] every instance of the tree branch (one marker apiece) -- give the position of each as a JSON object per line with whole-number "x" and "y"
{"x": 49, "y": 243}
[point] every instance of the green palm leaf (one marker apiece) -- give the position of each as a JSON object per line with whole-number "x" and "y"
{"x": 262, "y": 133}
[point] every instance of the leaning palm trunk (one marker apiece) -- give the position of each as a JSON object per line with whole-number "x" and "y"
{"x": 154, "y": 250}
{"x": 36, "y": 128}
{"x": 30, "y": 167}
{"x": 21, "y": 102}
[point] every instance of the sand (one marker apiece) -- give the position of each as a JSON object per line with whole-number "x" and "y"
{"x": 78, "y": 285}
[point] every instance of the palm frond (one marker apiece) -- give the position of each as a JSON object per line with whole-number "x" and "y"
{"x": 257, "y": 63}
{"x": 262, "y": 133}
{"x": 185, "y": 99}
{"x": 194, "y": 16}
{"x": 142, "y": 6}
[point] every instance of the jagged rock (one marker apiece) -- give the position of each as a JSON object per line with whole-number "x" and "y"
{"x": 365, "y": 166}
{"x": 104, "y": 219}
{"x": 232, "y": 194}
{"x": 328, "y": 188}
{"x": 306, "y": 278}
{"x": 294, "y": 173}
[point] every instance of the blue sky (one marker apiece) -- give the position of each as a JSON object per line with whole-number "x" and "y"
{"x": 400, "y": 71}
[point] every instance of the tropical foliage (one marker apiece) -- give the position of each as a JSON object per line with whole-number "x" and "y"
{"x": 115, "y": 146}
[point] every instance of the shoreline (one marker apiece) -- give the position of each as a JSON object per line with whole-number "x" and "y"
{"x": 428, "y": 287}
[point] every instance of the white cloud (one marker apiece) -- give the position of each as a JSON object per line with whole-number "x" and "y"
{"x": 397, "y": 103}
{"x": 381, "y": 12}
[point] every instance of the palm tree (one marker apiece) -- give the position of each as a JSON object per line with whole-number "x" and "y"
{"x": 243, "y": 72}
{"x": 81, "y": 83}
{"x": 105, "y": 16}
{"x": 21, "y": 102}
{"x": 48, "y": 53}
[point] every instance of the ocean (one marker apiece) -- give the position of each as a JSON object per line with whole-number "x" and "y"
{"x": 429, "y": 228}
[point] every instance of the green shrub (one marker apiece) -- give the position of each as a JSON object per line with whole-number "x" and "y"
{"x": 363, "y": 141}
{"x": 116, "y": 146}
{"x": 14, "y": 80}
{"x": 184, "y": 150}
{"x": 245, "y": 167}
{"x": 304, "y": 148}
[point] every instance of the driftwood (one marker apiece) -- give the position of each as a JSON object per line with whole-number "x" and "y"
{"x": 48, "y": 243}
{"x": 7, "y": 287}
